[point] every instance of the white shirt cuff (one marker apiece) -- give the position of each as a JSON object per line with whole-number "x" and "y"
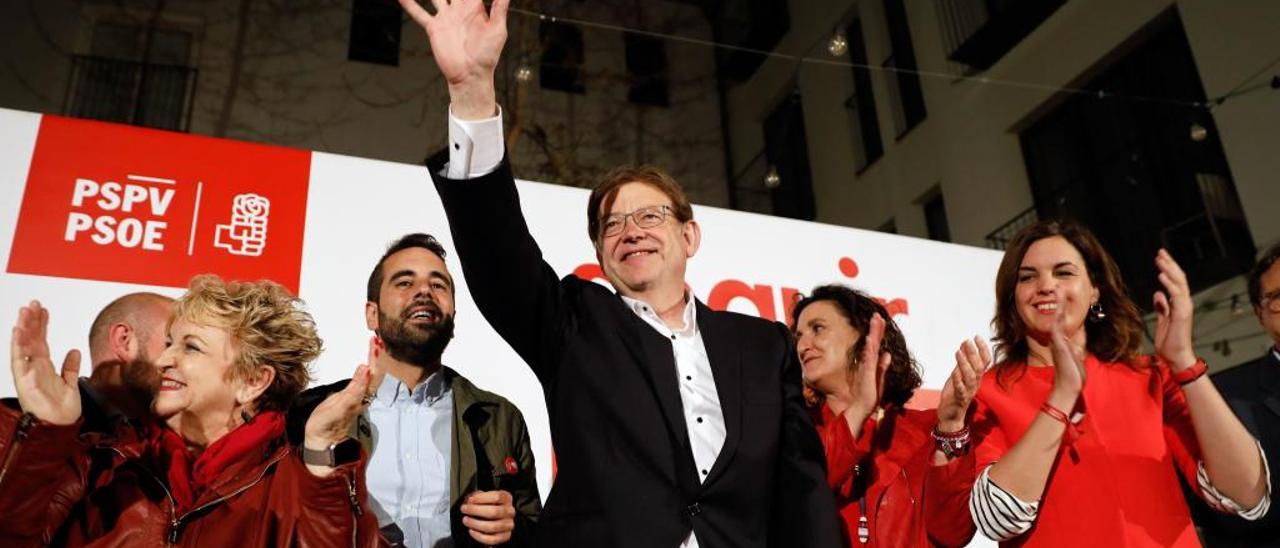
{"x": 476, "y": 147}
{"x": 1221, "y": 503}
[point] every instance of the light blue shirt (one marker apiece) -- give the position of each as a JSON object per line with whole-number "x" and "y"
{"x": 408, "y": 474}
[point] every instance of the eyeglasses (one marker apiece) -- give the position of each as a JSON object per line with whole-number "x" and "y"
{"x": 1271, "y": 302}
{"x": 645, "y": 217}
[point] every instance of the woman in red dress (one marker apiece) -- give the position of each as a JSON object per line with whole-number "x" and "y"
{"x": 901, "y": 476}
{"x": 1079, "y": 438}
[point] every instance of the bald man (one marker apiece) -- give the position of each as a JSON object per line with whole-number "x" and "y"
{"x": 125, "y": 339}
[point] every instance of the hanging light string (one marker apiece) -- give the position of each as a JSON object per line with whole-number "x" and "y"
{"x": 838, "y": 37}
{"x": 1241, "y": 90}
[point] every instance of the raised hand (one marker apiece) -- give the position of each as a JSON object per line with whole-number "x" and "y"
{"x": 331, "y": 421}
{"x": 1173, "y": 315}
{"x": 866, "y": 383}
{"x": 972, "y": 359}
{"x": 51, "y": 397}
{"x": 466, "y": 43}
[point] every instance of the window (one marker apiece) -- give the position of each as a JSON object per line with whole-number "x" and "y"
{"x": 788, "y": 152}
{"x": 904, "y": 91}
{"x": 561, "y": 65}
{"x": 979, "y": 32}
{"x": 647, "y": 70}
{"x": 935, "y": 218}
{"x": 862, "y": 104}
{"x": 375, "y": 32}
{"x": 134, "y": 76}
{"x": 747, "y": 24}
{"x": 1129, "y": 171}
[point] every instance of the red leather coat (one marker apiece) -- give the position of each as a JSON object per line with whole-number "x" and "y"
{"x": 65, "y": 486}
{"x": 888, "y": 470}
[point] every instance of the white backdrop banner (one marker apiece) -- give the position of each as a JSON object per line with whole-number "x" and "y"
{"x": 90, "y": 211}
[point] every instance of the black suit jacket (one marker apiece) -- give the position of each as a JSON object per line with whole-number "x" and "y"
{"x": 626, "y": 475}
{"x": 1253, "y": 392}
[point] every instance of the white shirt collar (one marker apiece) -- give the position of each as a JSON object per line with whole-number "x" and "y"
{"x": 648, "y": 313}
{"x": 430, "y": 389}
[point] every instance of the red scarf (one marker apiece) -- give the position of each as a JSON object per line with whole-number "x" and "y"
{"x": 188, "y": 480}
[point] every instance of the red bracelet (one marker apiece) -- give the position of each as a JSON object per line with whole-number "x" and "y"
{"x": 1190, "y": 374}
{"x": 1069, "y": 437}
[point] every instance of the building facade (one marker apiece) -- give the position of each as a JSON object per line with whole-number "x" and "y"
{"x": 355, "y": 77}
{"x": 1156, "y": 122}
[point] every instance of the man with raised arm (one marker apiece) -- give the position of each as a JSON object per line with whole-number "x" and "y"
{"x": 674, "y": 425}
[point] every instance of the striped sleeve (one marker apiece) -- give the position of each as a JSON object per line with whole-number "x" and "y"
{"x": 1224, "y": 504}
{"x": 998, "y": 514}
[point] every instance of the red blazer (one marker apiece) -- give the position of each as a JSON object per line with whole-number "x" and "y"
{"x": 909, "y": 501}
{"x": 1117, "y": 485}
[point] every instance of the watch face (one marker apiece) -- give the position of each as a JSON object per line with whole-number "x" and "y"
{"x": 347, "y": 451}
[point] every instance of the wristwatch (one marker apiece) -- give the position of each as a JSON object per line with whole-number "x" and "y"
{"x": 337, "y": 454}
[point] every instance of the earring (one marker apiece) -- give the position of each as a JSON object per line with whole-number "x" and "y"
{"x": 1095, "y": 312}
{"x": 245, "y": 416}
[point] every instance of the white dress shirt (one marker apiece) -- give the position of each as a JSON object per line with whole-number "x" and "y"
{"x": 475, "y": 149}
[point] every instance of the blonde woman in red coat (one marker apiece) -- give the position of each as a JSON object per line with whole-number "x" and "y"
{"x": 900, "y": 476}
{"x": 211, "y": 466}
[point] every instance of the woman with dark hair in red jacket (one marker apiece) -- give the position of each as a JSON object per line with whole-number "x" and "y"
{"x": 1079, "y": 438}
{"x": 901, "y": 476}
{"x": 212, "y": 465}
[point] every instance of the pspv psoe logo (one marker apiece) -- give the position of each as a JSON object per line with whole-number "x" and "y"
{"x": 118, "y": 203}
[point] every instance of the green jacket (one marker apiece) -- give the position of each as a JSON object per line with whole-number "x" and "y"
{"x": 498, "y": 425}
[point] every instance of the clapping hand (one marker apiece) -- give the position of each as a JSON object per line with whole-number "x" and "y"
{"x": 1173, "y": 315}
{"x": 866, "y": 382}
{"x": 330, "y": 422}
{"x": 972, "y": 359}
{"x": 1068, "y": 362}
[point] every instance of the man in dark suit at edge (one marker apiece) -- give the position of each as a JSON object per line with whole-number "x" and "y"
{"x": 1253, "y": 392}
{"x": 674, "y": 425}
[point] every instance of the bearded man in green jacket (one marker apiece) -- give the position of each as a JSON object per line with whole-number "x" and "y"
{"x": 450, "y": 463}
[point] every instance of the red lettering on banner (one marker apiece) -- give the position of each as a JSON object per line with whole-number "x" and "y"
{"x": 790, "y": 297}
{"x": 896, "y": 307}
{"x": 590, "y": 272}
{"x": 728, "y": 290}
{"x": 761, "y": 295}
{"x": 124, "y": 204}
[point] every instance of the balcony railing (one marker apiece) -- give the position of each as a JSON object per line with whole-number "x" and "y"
{"x": 1000, "y": 237}
{"x": 131, "y": 92}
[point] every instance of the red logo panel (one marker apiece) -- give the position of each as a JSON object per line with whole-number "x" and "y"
{"x": 124, "y": 204}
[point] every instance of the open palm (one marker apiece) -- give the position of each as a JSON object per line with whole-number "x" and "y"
{"x": 465, "y": 41}
{"x": 41, "y": 390}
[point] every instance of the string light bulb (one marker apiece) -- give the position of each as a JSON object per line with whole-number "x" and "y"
{"x": 772, "y": 179}
{"x": 838, "y": 44}
{"x": 1198, "y": 132}
{"x": 524, "y": 73}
